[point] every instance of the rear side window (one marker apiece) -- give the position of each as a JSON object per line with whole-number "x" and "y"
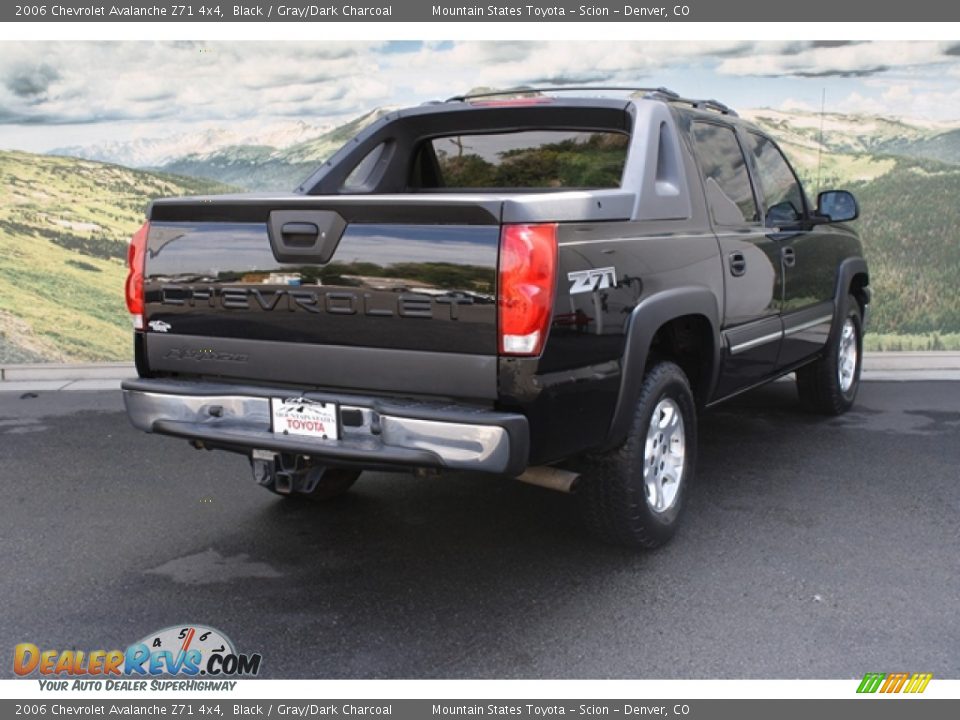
{"x": 782, "y": 195}
{"x": 531, "y": 159}
{"x": 725, "y": 176}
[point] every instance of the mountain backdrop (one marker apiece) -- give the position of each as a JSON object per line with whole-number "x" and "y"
{"x": 65, "y": 221}
{"x": 267, "y": 164}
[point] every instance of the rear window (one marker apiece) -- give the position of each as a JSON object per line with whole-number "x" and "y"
{"x": 530, "y": 159}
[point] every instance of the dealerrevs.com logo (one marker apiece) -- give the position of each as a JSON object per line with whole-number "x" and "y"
{"x": 188, "y": 651}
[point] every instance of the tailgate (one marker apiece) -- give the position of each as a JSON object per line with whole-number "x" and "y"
{"x": 392, "y": 293}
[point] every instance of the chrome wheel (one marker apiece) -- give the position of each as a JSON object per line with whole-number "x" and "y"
{"x": 847, "y": 355}
{"x": 663, "y": 456}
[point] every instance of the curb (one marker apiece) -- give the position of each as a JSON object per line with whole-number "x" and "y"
{"x": 946, "y": 360}
{"x": 66, "y": 372}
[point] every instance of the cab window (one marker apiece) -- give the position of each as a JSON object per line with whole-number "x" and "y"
{"x": 523, "y": 159}
{"x": 782, "y": 194}
{"x": 725, "y": 178}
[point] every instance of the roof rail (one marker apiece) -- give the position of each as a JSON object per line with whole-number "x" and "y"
{"x": 714, "y": 105}
{"x": 658, "y": 93}
{"x": 566, "y": 88}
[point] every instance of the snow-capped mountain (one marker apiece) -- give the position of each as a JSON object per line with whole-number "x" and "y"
{"x": 850, "y": 132}
{"x": 154, "y": 152}
{"x": 261, "y": 166}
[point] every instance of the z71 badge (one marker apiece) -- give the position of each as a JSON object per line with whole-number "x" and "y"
{"x": 590, "y": 280}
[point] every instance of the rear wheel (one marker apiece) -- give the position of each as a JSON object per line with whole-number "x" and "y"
{"x": 829, "y": 384}
{"x": 634, "y": 495}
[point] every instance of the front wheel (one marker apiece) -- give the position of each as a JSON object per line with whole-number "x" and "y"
{"x": 634, "y": 495}
{"x": 829, "y": 384}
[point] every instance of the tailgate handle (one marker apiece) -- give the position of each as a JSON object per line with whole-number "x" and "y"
{"x": 294, "y": 232}
{"x": 306, "y": 237}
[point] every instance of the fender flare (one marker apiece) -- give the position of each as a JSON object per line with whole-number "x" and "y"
{"x": 645, "y": 320}
{"x": 849, "y": 269}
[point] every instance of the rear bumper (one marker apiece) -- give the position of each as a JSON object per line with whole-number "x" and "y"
{"x": 381, "y": 432}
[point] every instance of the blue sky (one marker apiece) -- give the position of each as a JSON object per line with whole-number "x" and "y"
{"x": 55, "y": 94}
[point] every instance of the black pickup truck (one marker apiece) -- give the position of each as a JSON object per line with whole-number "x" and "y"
{"x": 545, "y": 286}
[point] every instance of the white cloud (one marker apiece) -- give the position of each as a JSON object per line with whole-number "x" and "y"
{"x": 96, "y": 82}
{"x": 83, "y": 88}
{"x": 851, "y": 60}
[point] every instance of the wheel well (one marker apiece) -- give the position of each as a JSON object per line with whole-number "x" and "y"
{"x": 858, "y": 285}
{"x": 688, "y": 341}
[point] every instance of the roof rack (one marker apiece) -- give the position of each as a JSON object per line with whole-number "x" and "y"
{"x": 669, "y": 96}
{"x": 566, "y": 88}
{"x": 658, "y": 93}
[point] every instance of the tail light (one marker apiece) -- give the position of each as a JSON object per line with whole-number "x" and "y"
{"x": 528, "y": 273}
{"x": 136, "y": 254}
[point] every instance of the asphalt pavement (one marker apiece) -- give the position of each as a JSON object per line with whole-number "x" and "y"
{"x": 812, "y": 548}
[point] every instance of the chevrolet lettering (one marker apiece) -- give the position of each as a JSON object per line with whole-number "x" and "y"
{"x": 338, "y": 302}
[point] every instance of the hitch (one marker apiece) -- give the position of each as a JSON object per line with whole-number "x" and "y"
{"x": 286, "y": 473}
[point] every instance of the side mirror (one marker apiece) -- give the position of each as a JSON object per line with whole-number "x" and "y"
{"x": 837, "y": 206}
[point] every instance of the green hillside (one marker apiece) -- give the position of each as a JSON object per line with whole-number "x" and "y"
{"x": 909, "y": 217}
{"x": 910, "y": 224}
{"x": 858, "y": 134}
{"x": 944, "y": 147}
{"x": 64, "y": 228}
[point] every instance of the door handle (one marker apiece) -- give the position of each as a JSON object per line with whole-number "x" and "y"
{"x": 738, "y": 264}
{"x": 789, "y": 256}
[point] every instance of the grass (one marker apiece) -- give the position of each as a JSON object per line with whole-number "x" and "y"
{"x": 64, "y": 227}
{"x": 911, "y": 343}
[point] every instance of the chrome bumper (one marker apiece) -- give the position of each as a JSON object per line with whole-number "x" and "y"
{"x": 381, "y": 432}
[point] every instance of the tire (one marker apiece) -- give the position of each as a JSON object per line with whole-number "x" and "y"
{"x": 620, "y": 503}
{"x": 316, "y": 483}
{"x": 829, "y": 384}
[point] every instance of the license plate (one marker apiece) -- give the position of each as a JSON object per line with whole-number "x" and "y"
{"x": 296, "y": 416}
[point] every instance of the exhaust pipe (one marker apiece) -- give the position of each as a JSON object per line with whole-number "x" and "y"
{"x": 552, "y": 478}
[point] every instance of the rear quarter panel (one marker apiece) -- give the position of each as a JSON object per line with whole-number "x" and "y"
{"x": 571, "y": 391}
